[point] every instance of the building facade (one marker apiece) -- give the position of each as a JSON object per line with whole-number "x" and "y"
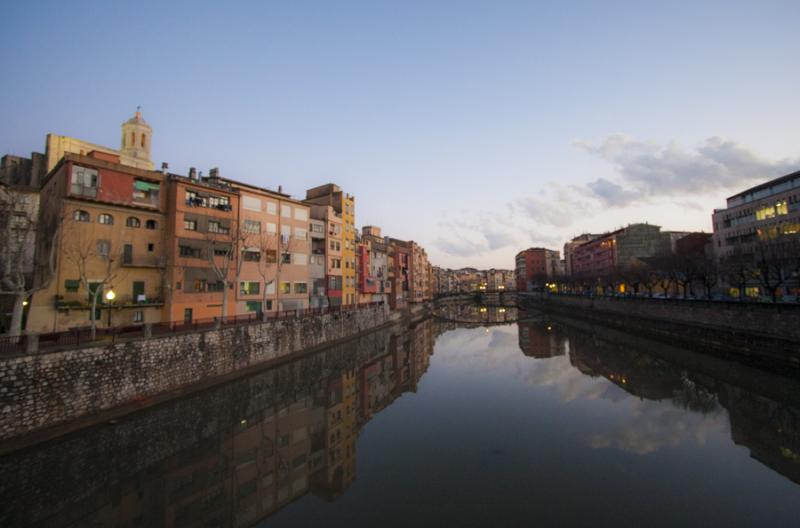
{"x": 535, "y": 266}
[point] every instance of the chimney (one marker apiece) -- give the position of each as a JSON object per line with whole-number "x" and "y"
{"x": 213, "y": 173}
{"x": 192, "y": 173}
{"x": 280, "y": 188}
{"x": 164, "y": 168}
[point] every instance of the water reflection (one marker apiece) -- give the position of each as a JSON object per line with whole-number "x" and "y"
{"x": 760, "y": 410}
{"x": 226, "y": 457}
{"x": 524, "y": 416}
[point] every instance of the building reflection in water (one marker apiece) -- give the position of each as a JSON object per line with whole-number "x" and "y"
{"x": 229, "y": 456}
{"x": 238, "y": 453}
{"x": 763, "y": 409}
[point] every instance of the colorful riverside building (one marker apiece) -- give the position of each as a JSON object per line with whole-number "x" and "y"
{"x": 399, "y": 272}
{"x": 274, "y": 247}
{"x": 202, "y": 233}
{"x": 345, "y": 206}
{"x": 372, "y": 266}
{"x": 534, "y": 266}
{"x": 332, "y": 252}
{"x": 107, "y": 232}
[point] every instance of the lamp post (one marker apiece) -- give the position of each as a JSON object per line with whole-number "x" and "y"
{"x": 110, "y": 295}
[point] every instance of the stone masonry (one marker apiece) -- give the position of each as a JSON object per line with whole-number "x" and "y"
{"x": 42, "y": 390}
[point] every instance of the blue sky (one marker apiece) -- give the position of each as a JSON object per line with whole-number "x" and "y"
{"x": 475, "y": 128}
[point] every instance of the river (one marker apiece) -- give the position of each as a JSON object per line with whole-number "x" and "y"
{"x": 480, "y": 422}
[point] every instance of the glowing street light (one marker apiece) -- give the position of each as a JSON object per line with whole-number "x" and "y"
{"x": 110, "y": 295}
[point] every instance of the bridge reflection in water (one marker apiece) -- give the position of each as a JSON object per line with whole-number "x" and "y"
{"x": 237, "y": 454}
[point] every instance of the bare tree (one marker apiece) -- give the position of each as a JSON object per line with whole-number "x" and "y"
{"x": 708, "y": 275}
{"x": 96, "y": 261}
{"x": 222, "y": 245}
{"x": 771, "y": 258}
{"x": 20, "y": 225}
{"x": 737, "y": 270}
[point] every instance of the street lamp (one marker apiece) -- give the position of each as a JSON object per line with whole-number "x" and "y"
{"x": 110, "y": 295}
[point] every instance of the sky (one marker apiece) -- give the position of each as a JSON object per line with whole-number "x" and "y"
{"x": 474, "y": 128}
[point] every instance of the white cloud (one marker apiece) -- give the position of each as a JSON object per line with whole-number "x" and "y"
{"x": 648, "y": 170}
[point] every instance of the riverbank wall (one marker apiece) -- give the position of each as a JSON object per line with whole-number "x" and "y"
{"x": 756, "y": 333}
{"x": 50, "y": 389}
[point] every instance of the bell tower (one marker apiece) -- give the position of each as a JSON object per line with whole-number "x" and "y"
{"x": 136, "y": 138}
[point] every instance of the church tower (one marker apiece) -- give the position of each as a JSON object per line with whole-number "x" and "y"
{"x": 136, "y": 138}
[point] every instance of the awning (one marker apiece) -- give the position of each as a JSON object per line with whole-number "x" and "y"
{"x": 145, "y": 186}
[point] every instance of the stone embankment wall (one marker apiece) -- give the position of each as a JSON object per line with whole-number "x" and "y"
{"x": 47, "y": 389}
{"x": 758, "y": 331}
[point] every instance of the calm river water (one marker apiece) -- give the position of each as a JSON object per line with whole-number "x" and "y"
{"x": 543, "y": 422}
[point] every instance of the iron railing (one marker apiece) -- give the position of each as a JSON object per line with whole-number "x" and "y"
{"x": 76, "y": 337}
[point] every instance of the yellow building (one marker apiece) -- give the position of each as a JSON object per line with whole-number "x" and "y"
{"x": 106, "y": 233}
{"x": 345, "y": 206}
{"x": 134, "y": 148}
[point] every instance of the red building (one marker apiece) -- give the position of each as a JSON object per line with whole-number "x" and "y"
{"x": 596, "y": 258}
{"x": 534, "y": 266}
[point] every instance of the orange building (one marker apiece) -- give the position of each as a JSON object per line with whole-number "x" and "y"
{"x": 202, "y": 230}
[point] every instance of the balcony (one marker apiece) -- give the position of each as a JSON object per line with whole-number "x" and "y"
{"x": 129, "y": 261}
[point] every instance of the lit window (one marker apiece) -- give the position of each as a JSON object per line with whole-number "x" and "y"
{"x": 286, "y": 287}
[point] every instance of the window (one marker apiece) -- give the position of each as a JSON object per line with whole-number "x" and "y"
{"x": 144, "y": 136}
{"x": 132, "y": 221}
{"x": 286, "y": 258}
{"x": 251, "y": 203}
{"x": 217, "y": 286}
{"x": 215, "y": 226}
{"x": 301, "y": 259}
{"x": 138, "y": 316}
{"x": 301, "y": 287}
{"x": 272, "y": 208}
{"x": 84, "y": 181}
{"x": 318, "y": 260}
{"x": 252, "y": 226}
{"x": 271, "y": 228}
{"x": 335, "y": 246}
{"x": 269, "y": 287}
{"x": 286, "y": 233}
{"x": 151, "y": 247}
{"x": 336, "y": 263}
{"x": 317, "y": 228}
{"x": 151, "y": 224}
{"x": 72, "y": 285}
{"x": 253, "y": 306}
{"x": 300, "y": 233}
{"x": 286, "y": 211}
{"x": 178, "y": 285}
{"x": 81, "y": 216}
{"x": 190, "y": 225}
{"x": 103, "y": 248}
{"x": 300, "y": 214}
{"x": 146, "y": 193}
{"x": 221, "y": 252}
{"x": 270, "y": 256}
{"x": 250, "y": 255}
{"x": 335, "y": 283}
{"x": 286, "y": 287}
{"x": 249, "y": 288}
{"x": 187, "y": 315}
{"x": 191, "y": 252}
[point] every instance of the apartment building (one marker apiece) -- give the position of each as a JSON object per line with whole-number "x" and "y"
{"x": 535, "y": 266}
{"x": 372, "y": 266}
{"x": 764, "y": 213}
{"x": 317, "y": 264}
{"x": 420, "y": 284}
{"x": 619, "y": 249}
{"x": 333, "y": 247}
{"x": 274, "y": 252}
{"x": 104, "y": 224}
{"x": 569, "y": 250}
{"x": 399, "y": 271}
{"x": 203, "y": 237}
{"x": 345, "y": 206}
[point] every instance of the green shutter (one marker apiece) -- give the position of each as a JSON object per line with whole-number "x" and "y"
{"x": 72, "y": 285}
